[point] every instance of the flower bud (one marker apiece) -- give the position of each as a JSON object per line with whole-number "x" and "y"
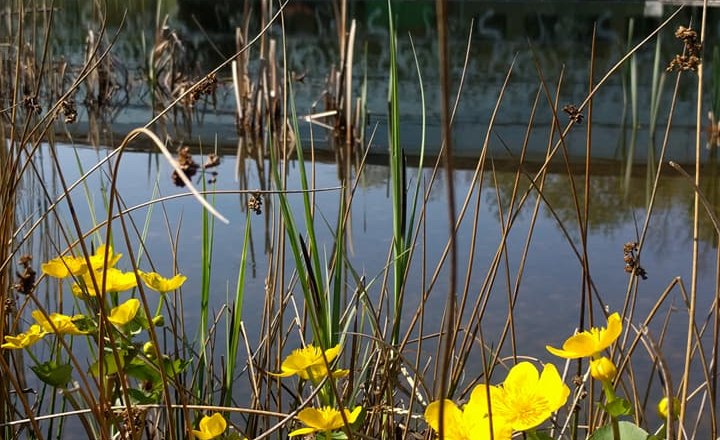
{"x": 603, "y": 369}
{"x": 158, "y": 321}
{"x": 662, "y": 407}
{"x": 149, "y": 350}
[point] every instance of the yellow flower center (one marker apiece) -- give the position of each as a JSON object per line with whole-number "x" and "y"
{"x": 523, "y": 409}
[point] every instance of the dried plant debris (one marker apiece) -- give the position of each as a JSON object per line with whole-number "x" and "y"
{"x": 187, "y": 165}
{"x": 133, "y": 420}
{"x": 69, "y": 111}
{"x": 573, "y": 113}
{"x": 691, "y": 57}
{"x": 212, "y": 161}
{"x": 255, "y": 203}
{"x": 630, "y": 250}
{"x": 31, "y": 103}
{"x": 205, "y": 87}
{"x": 26, "y": 280}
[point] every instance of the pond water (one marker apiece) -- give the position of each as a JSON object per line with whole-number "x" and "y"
{"x": 627, "y": 142}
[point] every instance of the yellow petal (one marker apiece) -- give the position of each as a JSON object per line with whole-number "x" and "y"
{"x": 63, "y": 267}
{"x": 161, "y": 284}
{"x": 125, "y": 312}
{"x": 337, "y": 374}
{"x": 61, "y": 324}
{"x": 23, "y": 340}
{"x": 331, "y": 353}
{"x": 580, "y": 345}
{"x": 522, "y": 377}
{"x": 314, "y": 418}
{"x": 612, "y": 332}
{"x": 211, "y": 427}
{"x": 326, "y": 418}
{"x": 553, "y": 388}
{"x": 452, "y": 416}
{"x": 353, "y": 415}
{"x": 118, "y": 281}
{"x": 302, "y": 431}
{"x": 97, "y": 260}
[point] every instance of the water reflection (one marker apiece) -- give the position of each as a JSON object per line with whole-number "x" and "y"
{"x": 502, "y": 31}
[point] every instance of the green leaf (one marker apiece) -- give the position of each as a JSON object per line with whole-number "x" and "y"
{"x": 110, "y": 366}
{"x": 142, "y": 398}
{"x": 141, "y": 370}
{"x": 628, "y": 431}
{"x": 53, "y": 374}
{"x": 619, "y": 407}
{"x": 174, "y": 367}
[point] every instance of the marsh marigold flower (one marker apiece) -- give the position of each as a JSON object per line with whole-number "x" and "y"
{"x": 663, "y": 405}
{"x": 210, "y": 427}
{"x": 470, "y": 423}
{"x": 23, "y": 340}
{"x": 308, "y": 363}
{"x": 125, "y": 312}
{"x": 590, "y": 343}
{"x": 158, "y": 283}
{"x": 526, "y": 398}
{"x": 61, "y": 324}
{"x": 63, "y": 267}
{"x": 97, "y": 260}
{"x": 324, "y": 419}
{"x": 115, "y": 281}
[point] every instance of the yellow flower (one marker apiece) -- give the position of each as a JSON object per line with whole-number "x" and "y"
{"x": 324, "y": 419}
{"x": 115, "y": 281}
{"x": 62, "y": 324}
{"x": 63, "y": 267}
{"x": 97, "y": 260}
{"x": 603, "y": 369}
{"x": 22, "y": 340}
{"x": 590, "y": 343}
{"x": 526, "y": 398}
{"x": 125, "y": 312}
{"x": 470, "y": 423}
{"x": 308, "y": 363}
{"x": 662, "y": 407}
{"x": 210, "y": 427}
{"x": 157, "y": 282}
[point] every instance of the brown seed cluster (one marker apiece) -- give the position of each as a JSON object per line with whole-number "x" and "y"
{"x": 26, "y": 280}
{"x": 630, "y": 250}
{"x": 32, "y": 104}
{"x": 573, "y": 113}
{"x": 691, "y": 57}
{"x": 207, "y": 87}
{"x": 69, "y": 111}
{"x": 255, "y": 203}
